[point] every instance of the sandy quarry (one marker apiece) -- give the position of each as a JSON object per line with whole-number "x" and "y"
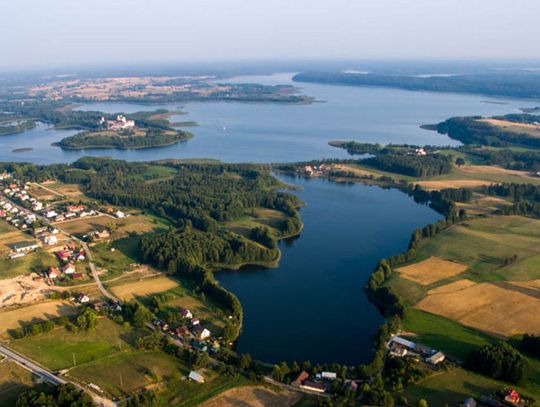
{"x": 23, "y": 290}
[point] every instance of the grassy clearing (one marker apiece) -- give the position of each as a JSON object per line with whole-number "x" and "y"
{"x": 35, "y": 262}
{"x": 454, "y": 386}
{"x": 182, "y": 393}
{"x": 58, "y": 349}
{"x": 123, "y": 373}
{"x": 444, "y": 334}
{"x": 119, "y": 260}
{"x": 10, "y": 235}
{"x": 257, "y": 217}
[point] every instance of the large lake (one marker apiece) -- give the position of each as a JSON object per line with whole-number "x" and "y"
{"x": 258, "y": 132}
{"x": 312, "y": 306}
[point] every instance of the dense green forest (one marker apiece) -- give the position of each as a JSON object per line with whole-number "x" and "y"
{"x": 469, "y": 130}
{"x": 526, "y": 85}
{"x": 401, "y": 159}
{"x": 152, "y": 138}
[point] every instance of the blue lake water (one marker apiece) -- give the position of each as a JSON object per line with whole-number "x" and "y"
{"x": 262, "y": 132}
{"x": 312, "y": 306}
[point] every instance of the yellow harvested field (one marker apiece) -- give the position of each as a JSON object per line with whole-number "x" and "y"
{"x": 452, "y": 183}
{"x": 452, "y": 287}
{"x": 257, "y": 396}
{"x": 486, "y": 307}
{"x": 80, "y": 226}
{"x": 14, "y": 318}
{"x": 492, "y": 169}
{"x": 431, "y": 270}
{"x": 355, "y": 170}
{"x": 143, "y": 287}
{"x": 528, "y": 128}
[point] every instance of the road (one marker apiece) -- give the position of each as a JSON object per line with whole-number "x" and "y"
{"x": 85, "y": 247}
{"x": 48, "y": 376}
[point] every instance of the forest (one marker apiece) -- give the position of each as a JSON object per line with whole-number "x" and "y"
{"x": 525, "y": 85}
{"x": 152, "y": 138}
{"x": 400, "y": 159}
{"x": 469, "y": 130}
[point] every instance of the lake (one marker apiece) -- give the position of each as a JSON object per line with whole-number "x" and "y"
{"x": 312, "y": 306}
{"x": 262, "y": 132}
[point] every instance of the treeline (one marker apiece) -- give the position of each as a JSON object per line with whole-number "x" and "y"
{"x": 400, "y": 159}
{"x": 500, "y": 361}
{"x": 515, "y": 160}
{"x": 63, "y": 395}
{"x": 507, "y": 84}
{"x": 470, "y": 130}
{"x": 152, "y": 138}
{"x": 526, "y": 198}
{"x": 444, "y": 201}
{"x": 412, "y": 165}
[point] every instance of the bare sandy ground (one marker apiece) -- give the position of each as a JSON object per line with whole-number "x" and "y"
{"x": 253, "y": 397}
{"x": 23, "y": 290}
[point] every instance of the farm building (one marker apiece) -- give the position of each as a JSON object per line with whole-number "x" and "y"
{"x": 196, "y": 377}
{"x": 313, "y": 386}
{"x": 436, "y": 358}
{"x": 24, "y": 247}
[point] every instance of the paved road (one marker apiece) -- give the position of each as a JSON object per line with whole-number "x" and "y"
{"x": 48, "y": 376}
{"x": 29, "y": 365}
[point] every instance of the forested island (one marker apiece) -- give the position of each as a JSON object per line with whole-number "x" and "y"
{"x": 144, "y": 138}
{"x": 524, "y": 85}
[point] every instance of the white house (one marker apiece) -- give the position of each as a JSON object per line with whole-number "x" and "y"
{"x": 436, "y": 358}
{"x": 186, "y": 314}
{"x": 329, "y": 375}
{"x": 50, "y": 240}
{"x": 200, "y": 332}
{"x": 120, "y": 214}
{"x": 196, "y": 377}
{"x": 68, "y": 269}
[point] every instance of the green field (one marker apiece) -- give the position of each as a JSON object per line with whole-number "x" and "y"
{"x": 444, "y": 334}
{"x": 35, "y": 262}
{"x": 124, "y": 372}
{"x": 59, "y": 348}
{"x": 484, "y": 244}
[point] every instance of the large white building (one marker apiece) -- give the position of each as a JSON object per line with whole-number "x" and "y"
{"x": 121, "y": 123}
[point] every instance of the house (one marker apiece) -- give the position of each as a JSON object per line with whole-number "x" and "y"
{"x": 511, "y": 396}
{"x": 64, "y": 254}
{"x": 313, "y": 386}
{"x": 120, "y": 214}
{"x": 80, "y": 256}
{"x": 68, "y": 269}
{"x": 82, "y": 298}
{"x": 196, "y": 377}
{"x": 300, "y": 379}
{"x": 436, "y": 358}
{"x": 24, "y": 247}
{"x": 195, "y": 322}
{"x": 50, "y": 240}
{"x": 51, "y": 214}
{"x": 329, "y": 375}
{"x": 52, "y": 273}
{"x": 76, "y": 208}
{"x": 200, "y": 332}
{"x": 351, "y": 385}
{"x": 186, "y": 314}
{"x": 16, "y": 255}
{"x": 470, "y": 402}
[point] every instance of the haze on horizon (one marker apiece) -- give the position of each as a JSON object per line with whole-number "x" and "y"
{"x": 39, "y": 33}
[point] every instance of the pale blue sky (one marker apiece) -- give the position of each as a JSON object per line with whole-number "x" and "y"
{"x": 75, "y": 32}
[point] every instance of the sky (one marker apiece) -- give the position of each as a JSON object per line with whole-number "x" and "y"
{"x": 78, "y": 32}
